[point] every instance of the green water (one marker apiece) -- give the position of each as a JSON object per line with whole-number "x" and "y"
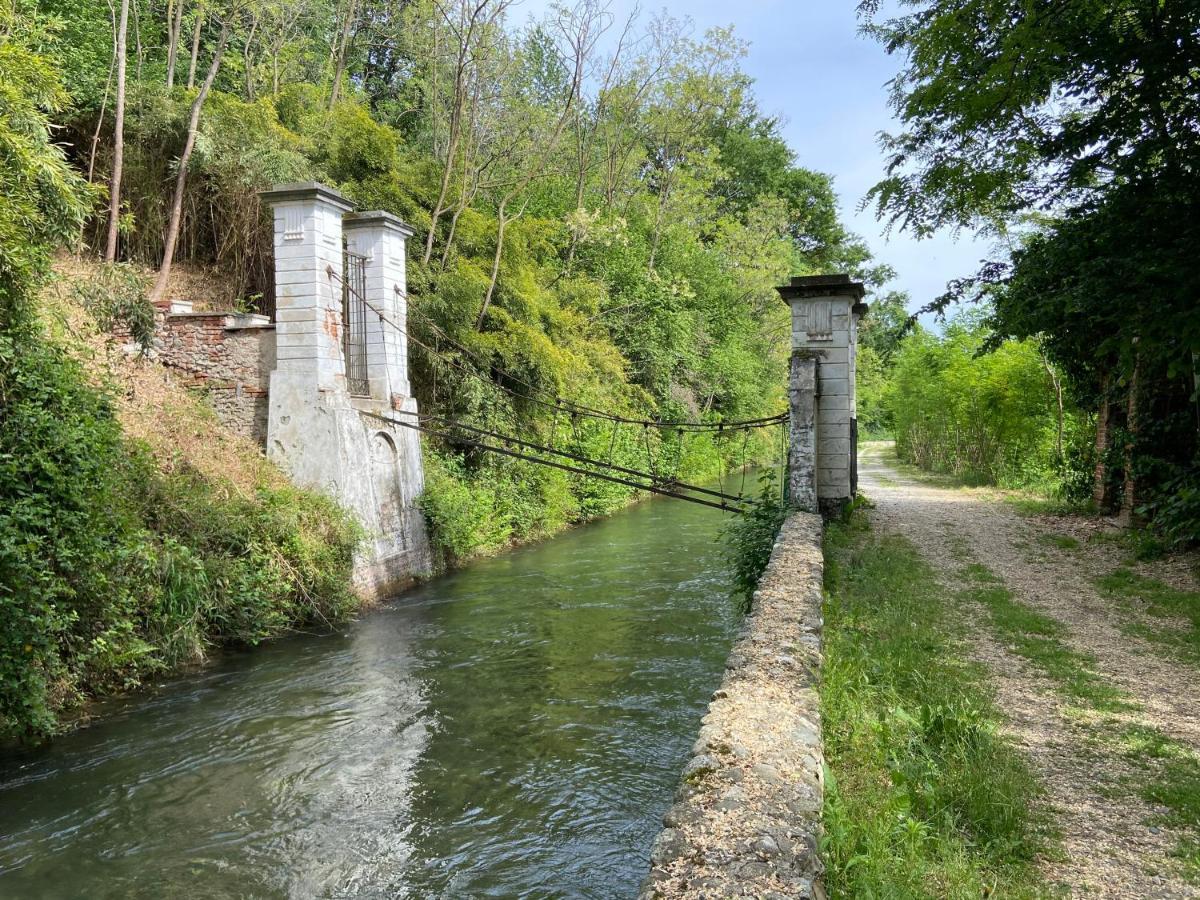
{"x": 515, "y": 729}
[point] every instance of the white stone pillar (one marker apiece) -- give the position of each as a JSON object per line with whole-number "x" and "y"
{"x": 825, "y": 311}
{"x": 349, "y": 447}
{"x": 382, "y": 237}
{"x": 308, "y": 300}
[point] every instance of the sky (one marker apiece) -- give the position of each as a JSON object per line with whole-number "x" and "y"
{"x": 827, "y": 83}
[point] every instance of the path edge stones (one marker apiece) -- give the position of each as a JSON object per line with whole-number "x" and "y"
{"x": 746, "y": 819}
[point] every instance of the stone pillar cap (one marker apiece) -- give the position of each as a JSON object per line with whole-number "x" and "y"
{"x": 808, "y": 287}
{"x": 306, "y": 190}
{"x": 377, "y": 218}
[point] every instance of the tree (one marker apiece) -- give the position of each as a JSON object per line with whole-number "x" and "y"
{"x": 886, "y": 324}
{"x": 1010, "y": 106}
{"x": 174, "y": 28}
{"x": 164, "y": 270}
{"x": 44, "y": 198}
{"x": 1078, "y": 123}
{"x": 552, "y": 88}
{"x": 473, "y": 27}
{"x": 114, "y": 184}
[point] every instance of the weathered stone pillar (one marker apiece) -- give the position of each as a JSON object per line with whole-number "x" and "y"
{"x": 308, "y": 302}
{"x": 381, "y": 237}
{"x": 802, "y": 433}
{"x": 825, "y": 312}
{"x": 355, "y": 448}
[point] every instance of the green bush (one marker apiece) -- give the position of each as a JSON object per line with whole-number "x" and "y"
{"x": 750, "y": 538}
{"x": 116, "y": 298}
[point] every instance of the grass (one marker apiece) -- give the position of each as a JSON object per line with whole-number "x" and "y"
{"x": 1061, "y": 541}
{"x": 1171, "y": 780}
{"x": 1039, "y": 639}
{"x": 925, "y": 796}
{"x": 1180, "y": 610}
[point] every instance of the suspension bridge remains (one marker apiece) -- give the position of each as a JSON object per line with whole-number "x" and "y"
{"x": 325, "y": 388}
{"x": 823, "y": 432}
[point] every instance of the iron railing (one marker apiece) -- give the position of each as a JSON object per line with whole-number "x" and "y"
{"x": 354, "y": 322}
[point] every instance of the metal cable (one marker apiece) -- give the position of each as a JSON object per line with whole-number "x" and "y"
{"x": 556, "y": 403}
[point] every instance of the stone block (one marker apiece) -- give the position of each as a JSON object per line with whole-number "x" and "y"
{"x": 835, "y": 387}
{"x": 837, "y": 402}
{"x": 830, "y": 371}
{"x": 831, "y": 447}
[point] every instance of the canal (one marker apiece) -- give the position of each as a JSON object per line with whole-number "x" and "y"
{"x": 514, "y": 729}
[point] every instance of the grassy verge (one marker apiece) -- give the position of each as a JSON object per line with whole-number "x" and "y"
{"x": 1039, "y": 639}
{"x": 1178, "y": 611}
{"x": 1164, "y": 772}
{"x": 925, "y": 797}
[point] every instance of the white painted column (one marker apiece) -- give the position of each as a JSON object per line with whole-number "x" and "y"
{"x": 825, "y": 310}
{"x": 382, "y": 238}
{"x": 308, "y": 301}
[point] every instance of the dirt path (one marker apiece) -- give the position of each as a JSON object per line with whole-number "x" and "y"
{"x": 1113, "y": 848}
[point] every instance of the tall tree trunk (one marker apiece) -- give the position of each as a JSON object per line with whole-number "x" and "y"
{"x": 137, "y": 40}
{"x": 199, "y": 23}
{"x": 1056, "y": 383}
{"x": 112, "y": 65}
{"x": 114, "y": 184}
{"x": 1129, "y": 491}
{"x": 343, "y": 49}
{"x": 502, "y": 221}
{"x": 656, "y": 236}
{"x": 174, "y": 26}
{"x": 164, "y": 271}
{"x": 248, "y": 59}
{"x": 1196, "y": 386}
{"x": 1100, "y": 494}
{"x": 445, "y": 189}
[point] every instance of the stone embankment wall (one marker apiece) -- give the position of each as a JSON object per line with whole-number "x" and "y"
{"x": 746, "y": 820}
{"x": 229, "y": 355}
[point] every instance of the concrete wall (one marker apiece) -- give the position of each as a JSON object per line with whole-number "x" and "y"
{"x": 746, "y": 821}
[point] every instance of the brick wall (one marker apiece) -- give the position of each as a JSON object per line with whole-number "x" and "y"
{"x": 229, "y": 356}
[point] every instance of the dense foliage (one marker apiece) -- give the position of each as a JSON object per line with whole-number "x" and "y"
{"x": 602, "y": 212}
{"x": 750, "y": 538}
{"x": 111, "y": 567}
{"x": 986, "y": 417}
{"x": 1078, "y": 124}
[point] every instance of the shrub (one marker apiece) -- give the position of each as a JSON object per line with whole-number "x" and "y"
{"x": 750, "y": 538}
{"x": 111, "y": 569}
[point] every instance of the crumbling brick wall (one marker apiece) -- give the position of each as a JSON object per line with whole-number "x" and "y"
{"x": 230, "y": 356}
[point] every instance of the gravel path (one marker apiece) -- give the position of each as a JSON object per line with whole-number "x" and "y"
{"x": 1110, "y": 848}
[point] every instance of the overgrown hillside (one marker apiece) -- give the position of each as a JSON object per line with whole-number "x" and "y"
{"x": 124, "y": 549}
{"x": 602, "y": 211}
{"x": 137, "y": 534}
